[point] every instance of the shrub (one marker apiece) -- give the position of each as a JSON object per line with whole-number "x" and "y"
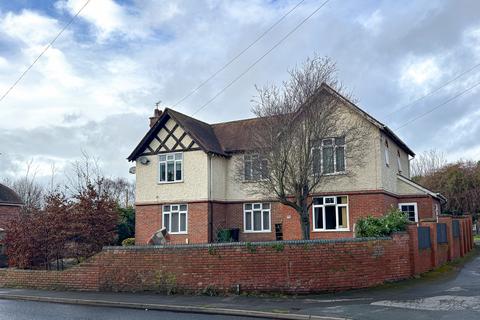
{"x": 128, "y": 242}
{"x": 394, "y": 220}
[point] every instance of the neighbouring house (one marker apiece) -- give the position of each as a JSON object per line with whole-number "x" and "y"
{"x": 185, "y": 182}
{"x": 10, "y": 205}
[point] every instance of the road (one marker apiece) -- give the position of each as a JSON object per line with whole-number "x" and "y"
{"x": 28, "y": 310}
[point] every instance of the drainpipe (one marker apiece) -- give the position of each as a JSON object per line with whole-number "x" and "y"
{"x": 210, "y": 207}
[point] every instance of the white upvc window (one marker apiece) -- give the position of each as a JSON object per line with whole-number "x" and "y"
{"x": 387, "y": 155}
{"x": 170, "y": 166}
{"x": 329, "y": 156}
{"x": 175, "y": 218}
{"x": 410, "y": 209}
{"x": 257, "y": 217}
{"x": 255, "y": 167}
{"x": 330, "y": 213}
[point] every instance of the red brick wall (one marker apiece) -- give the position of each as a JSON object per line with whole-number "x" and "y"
{"x": 299, "y": 268}
{"x": 148, "y": 219}
{"x": 205, "y": 221}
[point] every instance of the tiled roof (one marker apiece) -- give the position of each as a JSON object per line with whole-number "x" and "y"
{"x": 235, "y": 136}
{"x": 8, "y": 196}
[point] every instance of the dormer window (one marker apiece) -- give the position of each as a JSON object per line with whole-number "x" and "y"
{"x": 170, "y": 167}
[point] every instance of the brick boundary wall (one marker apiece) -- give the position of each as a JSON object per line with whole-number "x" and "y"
{"x": 285, "y": 266}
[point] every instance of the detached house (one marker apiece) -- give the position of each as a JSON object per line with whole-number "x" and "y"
{"x": 185, "y": 180}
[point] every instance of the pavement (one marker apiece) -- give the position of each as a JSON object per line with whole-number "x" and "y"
{"x": 439, "y": 295}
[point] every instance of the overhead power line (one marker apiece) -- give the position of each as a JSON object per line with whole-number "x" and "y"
{"x": 44, "y": 50}
{"x": 439, "y": 105}
{"x": 237, "y": 56}
{"x": 261, "y": 58}
{"x": 411, "y": 104}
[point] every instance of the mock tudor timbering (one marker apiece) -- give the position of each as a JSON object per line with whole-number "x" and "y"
{"x": 185, "y": 180}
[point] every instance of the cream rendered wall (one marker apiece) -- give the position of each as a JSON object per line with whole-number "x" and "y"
{"x": 218, "y": 174}
{"x": 389, "y": 173}
{"x": 193, "y": 188}
{"x": 359, "y": 178}
{"x": 404, "y": 188}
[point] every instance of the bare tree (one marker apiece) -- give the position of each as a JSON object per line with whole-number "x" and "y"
{"x": 427, "y": 163}
{"x": 28, "y": 189}
{"x": 121, "y": 190}
{"x": 290, "y": 140}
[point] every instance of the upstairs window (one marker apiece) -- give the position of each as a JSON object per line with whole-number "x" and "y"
{"x": 410, "y": 209}
{"x": 171, "y": 167}
{"x": 255, "y": 167}
{"x": 387, "y": 156}
{"x": 329, "y": 157}
{"x": 399, "y": 161}
{"x": 330, "y": 213}
{"x": 175, "y": 218}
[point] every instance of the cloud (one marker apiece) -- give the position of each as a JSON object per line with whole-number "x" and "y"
{"x": 110, "y": 20}
{"x": 372, "y": 22}
{"x": 97, "y": 86}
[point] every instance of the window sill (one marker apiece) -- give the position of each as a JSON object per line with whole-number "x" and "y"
{"x": 177, "y": 233}
{"x": 331, "y": 230}
{"x": 263, "y": 231}
{"x": 333, "y": 174}
{"x": 169, "y": 182}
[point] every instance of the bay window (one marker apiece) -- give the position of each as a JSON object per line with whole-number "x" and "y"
{"x": 330, "y": 213}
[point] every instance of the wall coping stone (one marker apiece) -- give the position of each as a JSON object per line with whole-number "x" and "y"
{"x": 244, "y": 244}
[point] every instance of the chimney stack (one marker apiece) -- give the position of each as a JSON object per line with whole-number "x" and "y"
{"x": 156, "y": 115}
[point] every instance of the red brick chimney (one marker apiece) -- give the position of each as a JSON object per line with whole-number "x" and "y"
{"x": 156, "y": 115}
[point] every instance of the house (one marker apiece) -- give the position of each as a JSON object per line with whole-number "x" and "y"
{"x": 185, "y": 182}
{"x": 10, "y": 205}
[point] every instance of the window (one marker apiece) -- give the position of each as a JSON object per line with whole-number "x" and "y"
{"x": 255, "y": 167}
{"x": 387, "y": 156}
{"x": 399, "y": 162}
{"x": 175, "y": 218}
{"x": 256, "y": 217}
{"x": 171, "y": 168}
{"x": 329, "y": 157}
{"x": 410, "y": 209}
{"x": 330, "y": 213}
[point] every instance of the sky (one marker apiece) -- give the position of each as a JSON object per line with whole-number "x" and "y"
{"x": 94, "y": 90}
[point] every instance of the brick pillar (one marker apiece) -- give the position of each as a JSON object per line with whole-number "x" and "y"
{"x": 470, "y": 231}
{"x": 448, "y": 221}
{"x": 413, "y": 248}
{"x": 462, "y": 237}
{"x": 433, "y": 240}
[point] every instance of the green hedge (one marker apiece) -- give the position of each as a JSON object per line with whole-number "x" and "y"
{"x": 394, "y": 220}
{"x": 128, "y": 242}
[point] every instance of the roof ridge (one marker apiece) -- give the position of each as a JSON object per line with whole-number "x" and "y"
{"x": 183, "y": 114}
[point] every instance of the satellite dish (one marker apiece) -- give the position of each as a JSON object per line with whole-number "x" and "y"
{"x": 132, "y": 170}
{"x": 143, "y": 160}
